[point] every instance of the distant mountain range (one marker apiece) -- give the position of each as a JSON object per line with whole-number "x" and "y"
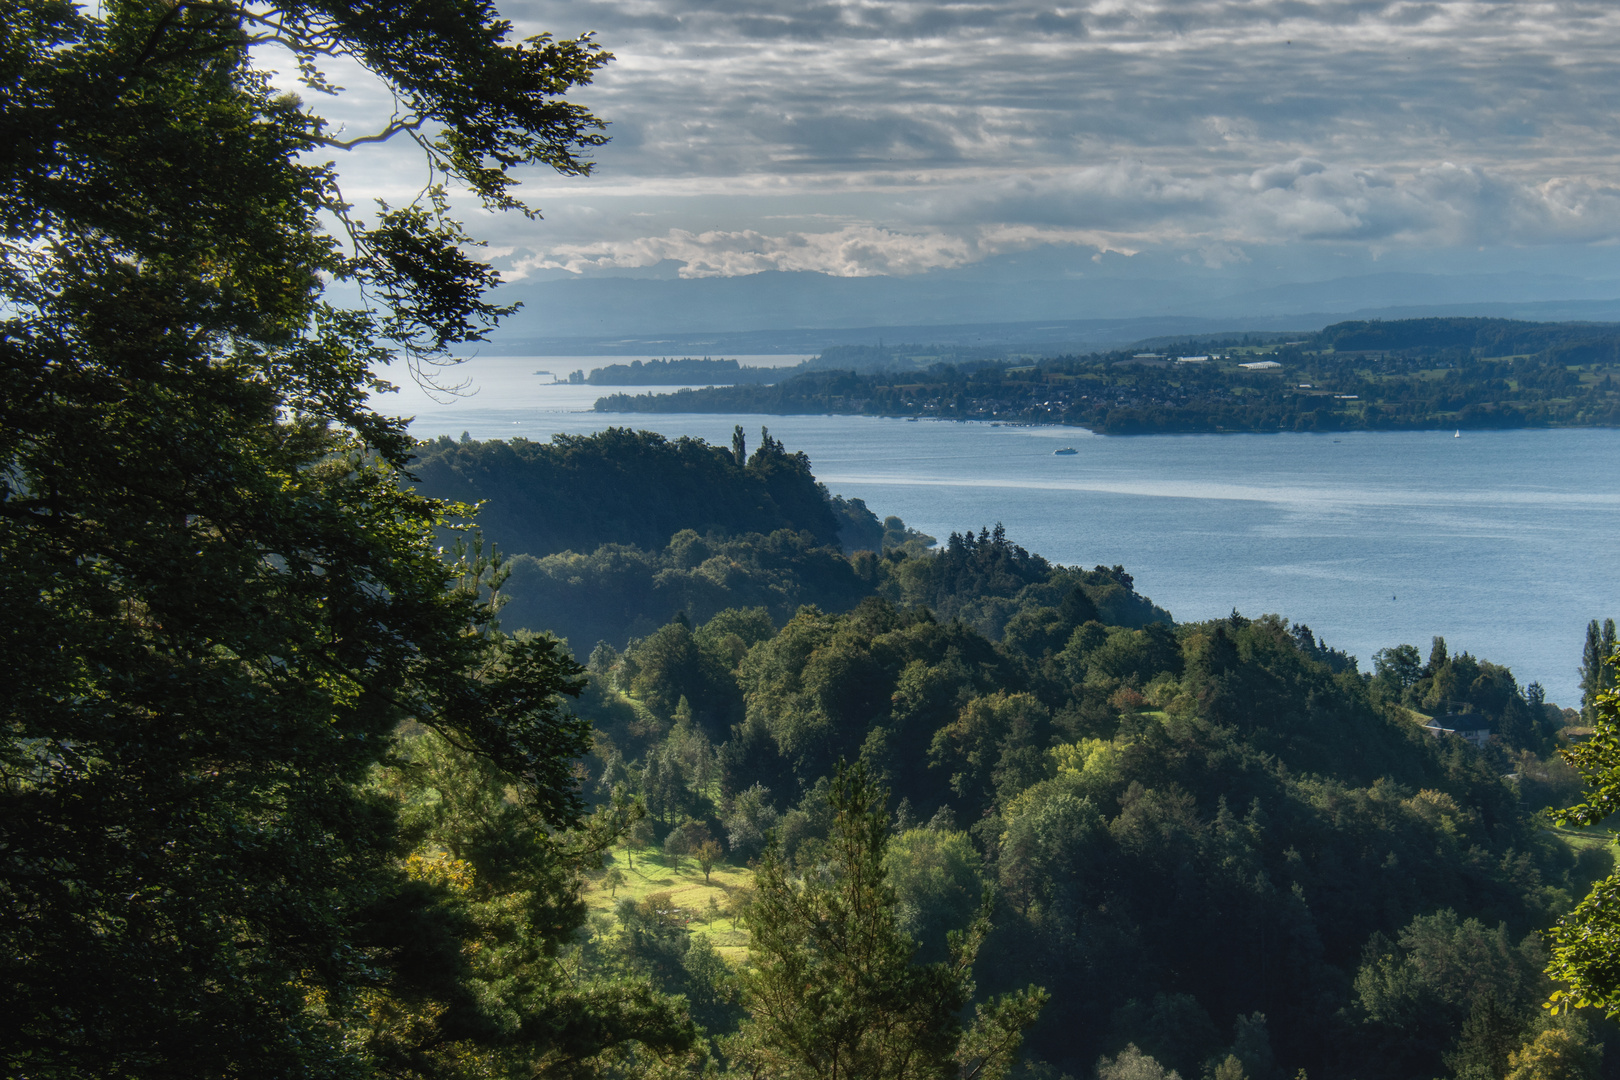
{"x": 807, "y": 312}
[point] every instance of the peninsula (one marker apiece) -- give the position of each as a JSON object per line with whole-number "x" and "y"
{"x": 1410, "y": 374}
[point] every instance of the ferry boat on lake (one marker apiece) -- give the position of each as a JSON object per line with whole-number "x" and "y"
{"x": 1067, "y": 450}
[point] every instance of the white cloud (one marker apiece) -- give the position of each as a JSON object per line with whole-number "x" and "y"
{"x": 852, "y": 251}
{"x": 1129, "y": 205}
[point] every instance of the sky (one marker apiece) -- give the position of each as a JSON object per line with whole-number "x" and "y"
{"x": 1268, "y": 140}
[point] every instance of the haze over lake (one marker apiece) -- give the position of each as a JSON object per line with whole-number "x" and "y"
{"x": 1500, "y": 541}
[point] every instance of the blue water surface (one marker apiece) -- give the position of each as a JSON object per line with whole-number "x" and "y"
{"x": 1503, "y": 542}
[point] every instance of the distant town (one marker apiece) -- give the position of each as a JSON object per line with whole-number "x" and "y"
{"x": 1403, "y": 375}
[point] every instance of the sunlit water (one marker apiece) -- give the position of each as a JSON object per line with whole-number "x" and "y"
{"x": 1504, "y": 542}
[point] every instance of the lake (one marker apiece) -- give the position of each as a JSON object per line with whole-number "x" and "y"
{"x": 1503, "y": 542}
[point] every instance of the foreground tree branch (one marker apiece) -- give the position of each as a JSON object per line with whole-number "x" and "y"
{"x": 222, "y": 602}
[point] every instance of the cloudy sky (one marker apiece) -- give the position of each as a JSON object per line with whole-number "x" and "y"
{"x": 882, "y": 137}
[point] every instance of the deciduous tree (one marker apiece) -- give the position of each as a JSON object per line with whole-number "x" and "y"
{"x": 1586, "y": 942}
{"x": 221, "y": 602}
{"x": 708, "y": 853}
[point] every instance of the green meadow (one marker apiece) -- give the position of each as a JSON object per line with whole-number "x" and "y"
{"x": 648, "y": 871}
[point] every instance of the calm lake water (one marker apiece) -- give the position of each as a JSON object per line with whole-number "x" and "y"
{"x": 1503, "y": 542}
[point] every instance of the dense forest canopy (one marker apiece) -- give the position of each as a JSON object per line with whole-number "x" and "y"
{"x": 579, "y": 492}
{"x": 1207, "y": 840}
{"x": 666, "y": 528}
{"x": 1480, "y": 338}
{"x": 1220, "y": 845}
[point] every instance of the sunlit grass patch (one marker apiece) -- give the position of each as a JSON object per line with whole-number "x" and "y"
{"x": 682, "y": 878}
{"x": 1587, "y": 836}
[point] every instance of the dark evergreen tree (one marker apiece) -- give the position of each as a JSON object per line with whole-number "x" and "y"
{"x": 1592, "y": 658}
{"x": 833, "y": 990}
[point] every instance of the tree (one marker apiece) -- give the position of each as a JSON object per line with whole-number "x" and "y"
{"x": 1559, "y": 1051}
{"x": 1398, "y": 668}
{"x": 833, "y": 992}
{"x": 1132, "y": 1064}
{"x": 708, "y": 853}
{"x": 1427, "y": 987}
{"x": 993, "y": 747}
{"x": 1487, "y": 1041}
{"x": 505, "y": 901}
{"x": 1586, "y": 942}
{"x": 639, "y": 835}
{"x": 738, "y": 900}
{"x": 222, "y": 604}
{"x": 936, "y": 876}
{"x": 1437, "y": 656}
{"x": 749, "y": 819}
{"x": 1592, "y": 657}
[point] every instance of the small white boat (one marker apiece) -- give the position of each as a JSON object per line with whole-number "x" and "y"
{"x": 1458, "y": 435}
{"x": 1065, "y": 451}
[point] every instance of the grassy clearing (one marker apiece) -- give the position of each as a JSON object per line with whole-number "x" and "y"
{"x": 653, "y": 872}
{"x": 1592, "y": 836}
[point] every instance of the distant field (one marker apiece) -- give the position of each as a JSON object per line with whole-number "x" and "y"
{"x": 653, "y": 872}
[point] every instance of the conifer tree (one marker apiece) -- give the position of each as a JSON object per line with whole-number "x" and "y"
{"x": 1592, "y": 656}
{"x": 833, "y": 992}
{"x": 1606, "y": 672}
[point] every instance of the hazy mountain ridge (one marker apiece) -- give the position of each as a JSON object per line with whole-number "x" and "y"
{"x": 791, "y": 312}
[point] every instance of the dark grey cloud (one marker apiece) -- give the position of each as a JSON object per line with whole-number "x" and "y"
{"x": 1027, "y": 83}
{"x": 890, "y": 136}
{"x": 783, "y": 20}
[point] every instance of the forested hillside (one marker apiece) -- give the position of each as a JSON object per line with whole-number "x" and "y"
{"x": 1207, "y": 840}
{"x": 685, "y": 371}
{"x": 1475, "y": 338}
{"x": 777, "y": 542}
{"x": 579, "y": 492}
{"x": 1223, "y": 844}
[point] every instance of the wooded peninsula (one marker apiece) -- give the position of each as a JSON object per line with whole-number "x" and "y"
{"x": 1404, "y": 375}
